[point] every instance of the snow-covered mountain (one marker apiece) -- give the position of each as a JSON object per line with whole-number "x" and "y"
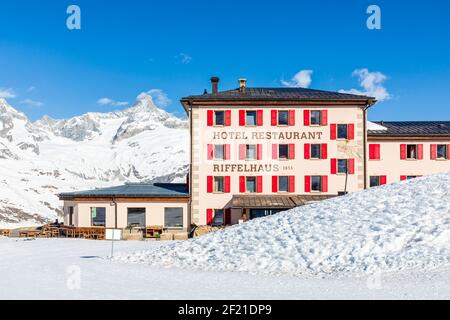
{"x": 40, "y": 159}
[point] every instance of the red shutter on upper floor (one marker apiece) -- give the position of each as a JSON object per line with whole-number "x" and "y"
{"x": 333, "y": 129}
{"x": 351, "y": 131}
{"x": 259, "y": 184}
{"x": 274, "y": 184}
{"x": 242, "y": 151}
{"x": 209, "y": 184}
{"x": 210, "y": 120}
{"x": 306, "y": 118}
{"x": 209, "y": 216}
{"x": 433, "y": 151}
{"x": 242, "y": 187}
{"x": 374, "y": 152}
{"x": 228, "y": 118}
{"x": 227, "y": 152}
{"x": 383, "y": 180}
{"x": 307, "y": 150}
{"x": 227, "y": 184}
{"x": 227, "y": 219}
{"x": 242, "y": 118}
{"x": 324, "y": 151}
{"x": 351, "y": 166}
{"x": 420, "y": 151}
{"x": 292, "y": 151}
{"x": 307, "y": 183}
{"x": 324, "y": 118}
{"x": 403, "y": 178}
{"x": 274, "y": 117}
{"x": 292, "y": 117}
{"x": 324, "y": 183}
{"x": 448, "y": 151}
{"x": 275, "y": 152}
{"x": 210, "y": 151}
{"x": 259, "y": 154}
{"x": 403, "y": 152}
{"x": 259, "y": 118}
{"x": 292, "y": 184}
{"x": 333, "y": 166}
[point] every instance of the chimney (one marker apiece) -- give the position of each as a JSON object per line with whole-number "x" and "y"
{"x": 215, "y": 85}
{"x": 242, "y": 85}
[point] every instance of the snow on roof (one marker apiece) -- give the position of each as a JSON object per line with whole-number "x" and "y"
{"x": 372, "y": 126}
{"x": 400, "y": 226}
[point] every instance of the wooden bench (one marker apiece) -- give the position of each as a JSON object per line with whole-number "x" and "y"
{"x": 29, "y": 233}
{"x": 5, "y": 233}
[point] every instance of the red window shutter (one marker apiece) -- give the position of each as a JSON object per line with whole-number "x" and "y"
{"x": 242, "y": 187}
{"x": 306, "y": 118}
{"x": 403, "y": 178}
{"x": 209, "y": 217}
{"x": 292, "y": 117}
{"x": 374, "y": 152}
{"x": 333, "y": 166}
{"x": 209, "y": 182}
{"x": 275, "y": 152}
{"x": 324, "y": 116}
{"x": 274, "y": 184}
{"x": 351, "y": 166}
{"x": 433, "y": 151}
{"x": 228, "y": 118}
{"x": 448, "y": 151}
{"x": 324, "y": 183}
{"x": 307, "y": 151}
{"x": 227, "y": 217}
{"x": 333, "y": 129}
{"x": 210, "y": 118}
{"x": 227, "y": 184}
{"x": 259, "y": 154}
{"x": 383, "y": 180}
{"x": 351, "y": 131}
{"x": 242, "y": 151}
{"x": 259, "y": 184}
{"x": 324, "y": 151}
{"x": 274, "y": 116}
{"x": 292, "y": 184}
{"x": 377, "y": 152}
{"x": 259, "y": 118}
{"x": 292, "y": 151}
{"x": 210, "y": 151}
{"x": 242, "y": 118}
{"x": 420, "y": 151}
{"x": 307, "y": 183}
{"x": 403, "y": 152}
{"x": 227, "y": 152}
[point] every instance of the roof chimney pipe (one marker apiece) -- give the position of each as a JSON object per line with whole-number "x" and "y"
{"x": 215, "y": 85}
{"x": 242, "y": 85}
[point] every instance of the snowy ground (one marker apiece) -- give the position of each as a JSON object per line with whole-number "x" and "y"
{"x": 49, "y": 269}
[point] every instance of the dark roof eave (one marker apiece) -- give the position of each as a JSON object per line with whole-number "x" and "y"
{"x": 134, "y": 196}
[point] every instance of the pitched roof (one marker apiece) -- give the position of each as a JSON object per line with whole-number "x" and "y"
{"x": 278, "y": 94}
{"x": 412, "y": 128}
{"x": 136, "y": 190}
{"x": 277, "y": 201}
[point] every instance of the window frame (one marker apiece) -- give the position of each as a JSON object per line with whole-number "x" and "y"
{"x": 311, "y": 118}
{"x": 165, "y": 218}
{"x": 247, "y": 112}
{"x": 279, "y": 184}
{"x": 216, "y": 211}
{"x": 320, "y": 183}
{"x": 378, "y": 181}
{"x": 216, "y": 183}
{"x": 255, "y": 184}
{"x": 279, "y": 151}
{"x": 247, "y": 149}
{"x": 311, "y": 151}
{"x": 215, "y": 118}
{"x": 340, "y": 125}
{"x": 287, "y": 118}
{"x": 416, "y": 151}
{"x": 446, "y": 152}
{"x": 92, "y": 218}
{"x": 337, "y": 166}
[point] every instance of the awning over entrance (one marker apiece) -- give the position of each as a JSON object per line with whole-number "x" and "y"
{"x": 278, "y": 202}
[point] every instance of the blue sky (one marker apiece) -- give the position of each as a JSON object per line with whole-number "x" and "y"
{"x": 174, "y": 47}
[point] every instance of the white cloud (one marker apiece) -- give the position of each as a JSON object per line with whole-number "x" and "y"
{"x": 301, "y": 80}
{"x": 31, "y": 89}
{"x": 372, "y": 84}
{"x": 159, "y": 97}
{"x": 33, "y": 103}
{"x": 183, "y": 58}
{"x": 7, "y": 93}
{"x": 111, "y": 102}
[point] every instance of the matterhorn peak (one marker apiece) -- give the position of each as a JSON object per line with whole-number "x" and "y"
{"x": 144, "y": 103}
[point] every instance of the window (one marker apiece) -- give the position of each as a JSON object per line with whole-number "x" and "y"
{"x": 250, "y": 118}
{"x": 173, "y": 218}
{"x": 219, "y": 185}
{"x": 219, "y": 219}
{"x": 70, "y": 216}
{"x": 342, "y": 165}
{"x": 411, "y": 177}
{"x": 250, "y": 152}
{"x": 283, "y": 184}
{"x": 136, "y": 217}
{"x": 316, "y": 183}
{"x": 411, "y": 151}
{"x": 219, "y": 118}
{"x": 374, "y": 181}
{"x": 219, "y": 152}
{"x": 98, "y": 217}
{"x": 316, "y": 151}
{"x": 283, "y": 151}
{"x": 441, "y": 151}
{"x": 316, "y": 119}
{"x": 342, "y": 132}
{"x": 250, "y": 184}
{"x": 283, "y": 118}
{"x": 342, "y": 193}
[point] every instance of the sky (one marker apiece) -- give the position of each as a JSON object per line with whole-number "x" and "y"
{"x": 170, "y": 49}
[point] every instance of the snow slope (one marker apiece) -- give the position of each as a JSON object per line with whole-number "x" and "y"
{"x": 39, "y": 160}
{"x": 396, "y": 227}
